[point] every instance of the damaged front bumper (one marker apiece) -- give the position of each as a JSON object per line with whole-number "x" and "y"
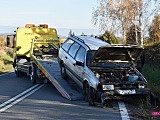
{"x": 114, "y": 94}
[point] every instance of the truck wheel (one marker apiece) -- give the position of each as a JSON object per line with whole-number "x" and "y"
{"x": 16, "y": 71}
{"x": 63, "y": 71}
{"x": 33, "y": 74}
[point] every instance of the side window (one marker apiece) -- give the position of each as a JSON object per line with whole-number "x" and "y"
{"x": 81, "y": 55}
{"x": 67, "y": 44}
{"x": 73, "y": 49}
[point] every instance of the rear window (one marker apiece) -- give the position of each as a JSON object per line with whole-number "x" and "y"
{"x": 66, "y": 45}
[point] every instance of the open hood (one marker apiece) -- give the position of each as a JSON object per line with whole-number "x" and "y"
{"x": 117, "y": 53}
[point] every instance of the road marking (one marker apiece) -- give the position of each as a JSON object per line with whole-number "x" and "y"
{"x": 19, "y": 95}
{"x": 5, "y": 74}
{"x": 123, "y": 111}
{"x": 4, "y": 106}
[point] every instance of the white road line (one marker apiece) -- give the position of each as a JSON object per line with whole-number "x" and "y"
{"x": 5, "y": 74}
{"x": 123, "y": 111}
{"x": 20, "y": 97}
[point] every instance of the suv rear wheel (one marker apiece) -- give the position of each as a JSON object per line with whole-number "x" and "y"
{"x": 63, "y": 71}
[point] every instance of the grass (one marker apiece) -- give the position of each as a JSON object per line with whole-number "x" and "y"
{"x": 5, "y": 62}
{"x": 152, "y": 75}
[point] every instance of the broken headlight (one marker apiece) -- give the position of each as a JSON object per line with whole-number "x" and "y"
{"x": 142, "y": 85}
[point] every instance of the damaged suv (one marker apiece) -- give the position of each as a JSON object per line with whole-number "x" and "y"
{"x": 102, "y": 70}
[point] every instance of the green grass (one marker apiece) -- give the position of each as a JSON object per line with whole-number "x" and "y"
{"x": 5, "y": 63}
{"x": 152, "y": 75}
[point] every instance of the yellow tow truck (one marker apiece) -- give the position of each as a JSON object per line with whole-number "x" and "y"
{"x": 35, "y": 55}
{"x": 33, "y": 40}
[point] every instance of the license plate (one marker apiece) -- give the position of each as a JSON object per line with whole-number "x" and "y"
{"x": 126, "y": 92}
{"x": 108, "y": 87}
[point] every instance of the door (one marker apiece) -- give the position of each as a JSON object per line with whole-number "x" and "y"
{"x": 79, "y": 68}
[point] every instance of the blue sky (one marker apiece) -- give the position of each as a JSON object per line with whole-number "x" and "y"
{"x": 56, "y": 13}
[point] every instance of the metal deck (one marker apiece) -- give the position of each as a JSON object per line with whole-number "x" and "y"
{"x": 66, "y": 87}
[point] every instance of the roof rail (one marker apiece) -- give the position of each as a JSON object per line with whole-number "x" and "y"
{"x": 77, "y": 38}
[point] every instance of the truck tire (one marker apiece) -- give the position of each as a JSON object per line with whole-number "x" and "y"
{"x": 17, "y": 72}
{"x": 63, "y": 71}
{"x": 33, "y": 74}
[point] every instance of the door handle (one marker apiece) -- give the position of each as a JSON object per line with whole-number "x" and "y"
{"x": 66, "y": 57}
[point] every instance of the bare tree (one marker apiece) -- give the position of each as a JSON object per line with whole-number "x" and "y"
{"x": 154, "y": 29}
{"x": 120, "y": 15}
{"x": 147, "y": 12}
{"x": 133, "y": 35}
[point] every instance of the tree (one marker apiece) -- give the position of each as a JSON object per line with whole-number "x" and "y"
{"x": 120, "y": 15}
{"x": 133, "y": 35}
{"x": 154, "y": 30}
{"x": 109, "y": 37}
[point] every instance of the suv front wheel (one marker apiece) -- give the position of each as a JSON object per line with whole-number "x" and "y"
{"x": 88, "y": 94}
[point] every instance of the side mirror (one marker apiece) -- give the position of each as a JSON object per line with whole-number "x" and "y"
{"x": 79, "y": 63}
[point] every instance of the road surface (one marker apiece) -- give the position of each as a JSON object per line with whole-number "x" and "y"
{"x": 20, "y": 99}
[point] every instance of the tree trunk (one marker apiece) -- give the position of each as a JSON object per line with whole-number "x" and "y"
{"x": 124, "y": 37}
{"x": 136, "y": 31}
{"x": 141, "y": 29}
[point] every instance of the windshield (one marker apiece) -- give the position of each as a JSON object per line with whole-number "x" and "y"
{"x": 90, "y": 54}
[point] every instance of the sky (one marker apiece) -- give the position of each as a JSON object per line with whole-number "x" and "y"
{"x": 71, "y": 14}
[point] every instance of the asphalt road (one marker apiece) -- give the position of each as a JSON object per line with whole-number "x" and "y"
{"x": 20, "y": 99}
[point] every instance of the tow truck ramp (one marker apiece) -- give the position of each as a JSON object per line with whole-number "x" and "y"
{"x": 51, "y": 70}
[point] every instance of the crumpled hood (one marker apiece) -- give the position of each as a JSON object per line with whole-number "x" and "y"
{"x": 117, "y": 53}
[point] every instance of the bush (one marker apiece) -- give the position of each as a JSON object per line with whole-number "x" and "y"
{"x": 5, "y": 62}
{"x": 9, "y": 52}
{"x": 152, "y": 54}
{"x": 152, "y": 75}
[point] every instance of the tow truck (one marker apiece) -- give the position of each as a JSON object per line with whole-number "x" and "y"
{"x": 35, "y": 55}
